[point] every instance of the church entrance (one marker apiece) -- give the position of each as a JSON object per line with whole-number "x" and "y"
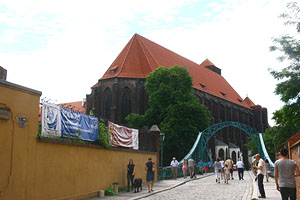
{"x": 233, "y": 156}
{"x": 221, "y": 153}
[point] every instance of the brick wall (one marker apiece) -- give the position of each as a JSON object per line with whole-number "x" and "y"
{"x": 295, "y": 156}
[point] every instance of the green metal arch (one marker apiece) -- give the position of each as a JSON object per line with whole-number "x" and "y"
{"x": 199, "y": 149}
{"x": 210, "y": 131}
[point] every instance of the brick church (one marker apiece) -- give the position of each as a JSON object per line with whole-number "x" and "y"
{"x": 120, "y": 91}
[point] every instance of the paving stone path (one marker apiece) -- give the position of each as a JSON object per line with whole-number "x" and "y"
{"x": 207, "y": 188}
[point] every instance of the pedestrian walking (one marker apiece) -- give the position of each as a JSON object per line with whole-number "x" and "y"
{"x": 210, "y": 166}
{"x": 150, "y": 174}
{"x": 191, "y": 164}
{"x": 261, "y": 172}
{"x": 285, "y": 171}
{"x": 226, "y": 173}
{"x": 217, "y": 165}
{"x": 230, "y": 163}
{"x": 174, "y": 165}
{"x": 205, "y": 167}
{"x": 184, "y": 168}
{"x": 201, "y": 167}
{"x": 130, "y": 174}
{"x": 268, "y": 169}
{"x": 222, "y": 169}
{"x": 240, "y": 167}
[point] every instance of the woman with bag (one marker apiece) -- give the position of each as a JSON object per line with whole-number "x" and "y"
{"x": 218, "y": 167}
{"x": 150, "y": 168}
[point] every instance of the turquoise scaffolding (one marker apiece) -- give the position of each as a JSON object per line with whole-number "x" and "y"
{"x": 199, "y": 150}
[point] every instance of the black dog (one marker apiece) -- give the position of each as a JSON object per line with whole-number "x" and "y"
{"x": 137, "y": 184}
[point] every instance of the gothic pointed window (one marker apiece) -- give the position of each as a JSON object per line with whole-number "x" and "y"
{"x": 126, "y": 103}
{"x": 107, "y": 103}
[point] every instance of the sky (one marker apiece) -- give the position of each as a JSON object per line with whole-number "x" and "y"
{"x": 62, "y": 48}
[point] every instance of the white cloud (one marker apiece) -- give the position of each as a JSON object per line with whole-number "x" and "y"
{"x": 82, "y": 38}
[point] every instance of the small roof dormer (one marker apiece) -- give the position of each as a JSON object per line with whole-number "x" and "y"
{"x": 249, "y": 102}
{"x": 209, "y": 65}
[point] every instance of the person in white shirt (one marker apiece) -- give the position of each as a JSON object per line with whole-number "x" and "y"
{"x": 240, "y": 166}
{"x": 222, "y": 169}
{"x": 261, "y": 172}
{"x": 174, "y": 165}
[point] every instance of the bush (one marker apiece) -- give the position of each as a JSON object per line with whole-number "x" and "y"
{"x": 104, "y": 135}
{"x": 109, "y": 192}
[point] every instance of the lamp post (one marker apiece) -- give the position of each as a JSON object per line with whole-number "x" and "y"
{"x": 162, "y": 137}
{"x": 156, "y": 132}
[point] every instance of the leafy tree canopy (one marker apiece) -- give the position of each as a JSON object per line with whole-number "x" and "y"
{"x": 288, "y": 117}
{"x": 174, "y": 108}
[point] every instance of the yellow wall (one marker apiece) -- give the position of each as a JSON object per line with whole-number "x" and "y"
{"x": 66, "y": 171}
{"x": 17, "y": 145}
{"x": 32, "y": 170}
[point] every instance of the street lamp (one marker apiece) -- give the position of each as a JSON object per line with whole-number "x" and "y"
{"x": 156, "y": 132}
{"x": 162, "y": 137}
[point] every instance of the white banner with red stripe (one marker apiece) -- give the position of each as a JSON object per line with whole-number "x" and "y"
{"x": 124, "y": 136}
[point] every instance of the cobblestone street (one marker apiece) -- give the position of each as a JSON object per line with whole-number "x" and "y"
{"x": 207, "y": 188}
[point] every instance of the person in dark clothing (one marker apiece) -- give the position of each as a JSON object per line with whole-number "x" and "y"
{"x": 150, "y": 174}
{"x": 130, "y": 174}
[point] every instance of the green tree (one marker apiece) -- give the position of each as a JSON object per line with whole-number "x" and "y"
{"x": 174, "y": 108}
{"x": 288, "y": 117}
{"x": 272, "y": 139}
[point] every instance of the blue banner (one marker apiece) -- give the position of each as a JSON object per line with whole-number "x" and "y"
{"x": 78, "y": 125}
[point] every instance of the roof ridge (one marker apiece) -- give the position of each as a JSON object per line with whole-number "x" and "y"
{"x": 206, "y": 62}
{"x": 141, "y": 49}
{"x": 112, "y": 63}
{"x": 139, "y": 39}
{"x": 126, "y": 56}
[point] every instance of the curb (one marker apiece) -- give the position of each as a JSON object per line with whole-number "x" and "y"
{"x": 171, "y": 187}
{"x": 249, "y": 192}
{"x": 254, "y": 195}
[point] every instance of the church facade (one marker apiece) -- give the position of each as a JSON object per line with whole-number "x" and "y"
{"x": 120, "y": 91}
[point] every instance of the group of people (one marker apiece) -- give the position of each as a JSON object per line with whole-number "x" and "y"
{"x": 285, "y": 171}
{"x": 186, "y": 165}
{"x": 223, "y": 170}
{"x": 150, "y": 169}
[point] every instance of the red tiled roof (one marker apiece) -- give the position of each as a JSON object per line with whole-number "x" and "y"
{"x": 249, "y": 102}
{"x": 206, "y": 63}
{"x": 96, "y": 85}
{"x": 75, "y": 106}
{"x": 142, "y": 56}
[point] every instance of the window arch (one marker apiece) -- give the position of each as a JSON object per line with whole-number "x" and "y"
{"x": 233, "y": 156}
{"x": 126, "y": 103}
{"x": 107, "y": 103}
{"x": 221, "y": 153}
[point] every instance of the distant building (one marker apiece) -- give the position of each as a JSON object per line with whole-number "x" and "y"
{"x": 3, "y": 73}
{"x": 121, "y": 91}
{"x": 77, "y": 106}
